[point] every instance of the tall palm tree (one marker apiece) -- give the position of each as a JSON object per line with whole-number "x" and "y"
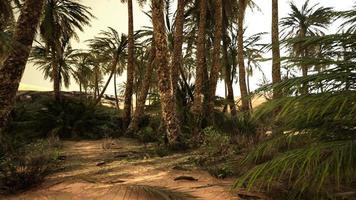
{"x": 109, "y": 48}
{"x": 216, "y": 66}
{"x": 143, "y": 92}
{"x": 276, "y": 55}
{"x": 178, "y": 44}
{"x": 14, "y": 65}
{"x": 240, "y": 54}
{"x": 61, "y": 19}
{"x": 303, "y": 22}
{"x": 83, "y": 72}
{"x": 130, "y": 66}
{"x": 229, "y": 18}
{"x": 42, "y": 58}
{"x": 253, "y": 51}
{"x": 169, "y": 113}
{"x": 197, "y": 107}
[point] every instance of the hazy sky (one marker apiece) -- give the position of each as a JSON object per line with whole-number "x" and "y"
{"x": 114, "y": 14}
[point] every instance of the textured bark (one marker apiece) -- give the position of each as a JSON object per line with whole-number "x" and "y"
{"x": 13, "y": 67}
{"x": 199, "y": 75}
{"x": 168, "y": 106}
{"x": 228, "y": 78}
{"x": 276, "y": 57}
{"x": 56, "y": 74}
{"x": 130, "y": 68}
{"x": 228, "y": 81}
{"x": 178, "y": 43}
{"x": 216, "y": 63}
{"x": 142, "y": 94}
{"x": 240, "y": 54}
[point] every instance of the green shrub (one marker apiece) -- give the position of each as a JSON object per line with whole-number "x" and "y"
{"x": 26, "y": 165}
{"x": 215, "y": 143}
{"x": 71, "y": 118}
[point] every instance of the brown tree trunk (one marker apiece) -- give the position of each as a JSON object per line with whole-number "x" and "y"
{"x": 240, "y": 54}
{"x": 169, "y": 113}
{"x": 304, "y": 67}
{"x": 197, "y": 107}
{"x": 178, "y": 43}
{"x": 13, "y": 67}
{"x": 96, "y": 84}
{"x": 276, "y": 58}
{"x": 115, "y": 91}
{"x": 142, "y": 94}
{"x": 113, "y": 69}
{"x": 56, "y": 74}
{"x": 228, "y": 78}
{"x": 216, "y": 63}
{"x": 130, "y": 68}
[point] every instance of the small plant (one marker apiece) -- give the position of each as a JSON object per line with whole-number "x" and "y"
{"x": 26, "y": 166}
{"x": 220, "y": 172}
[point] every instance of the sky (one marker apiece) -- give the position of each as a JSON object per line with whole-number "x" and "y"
{"x": 112, "y": 13}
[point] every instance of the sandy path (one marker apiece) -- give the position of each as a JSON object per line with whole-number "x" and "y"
{"x": 126, "y": 163}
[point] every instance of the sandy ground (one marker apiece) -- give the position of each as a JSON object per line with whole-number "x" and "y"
{"x": 124, "y": 163}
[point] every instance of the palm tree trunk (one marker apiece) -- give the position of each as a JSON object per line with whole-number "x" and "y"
{"x": 178, "y": 43}
{"x": 169, "y": 113}
{"x": 228, "y": 78}
{"x": 197, "y": 107}
{"x": 115, "y": 91}
{"x": 216, "y": 67}
{"x": 276, "y": 57}
{"x": 96, "y": 84}
{"x": 56, "y": 76}
{"x": 304, "y": 66}
{"x": 14, "y": 65}
{"x": 113, "y": 67}
{"x": 142, "y": 94}
{"x": 130, "y": 68}
{"x": 240, "y": 53}
{"x": 248, "y": 85}
{"x": 184, "y": 78}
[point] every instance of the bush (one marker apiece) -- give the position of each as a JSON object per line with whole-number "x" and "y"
{"x": 215, "y": 143}
{"x": 72, "y": 118}
{"x": 26, "y": 165}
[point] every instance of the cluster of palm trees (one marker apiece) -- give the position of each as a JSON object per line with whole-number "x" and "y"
{"x": 190, "y": 47}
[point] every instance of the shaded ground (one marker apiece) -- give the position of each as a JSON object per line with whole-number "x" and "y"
{"x": 121, "y": 162}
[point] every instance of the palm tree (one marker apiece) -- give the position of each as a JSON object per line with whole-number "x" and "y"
{"x": 243, "y": 4}
{"x": 276, "y": 57}
{"x": 14, "y": 65}
{"x": 307, "y": 21}
{"x": 109, "y": 48}
{"x": 178, "y": 43}
{"x": 143, "y": 92}
{"x": 197, "y": 107}
{"x": 169, "y": 114}
{"x": 215, "y": 69}
{"x": 43, "y": 59}
{"x": 253, "y": 51}
{"x": 229, "y": 11}
{"x": 60, "y": 20}
{"x": 130, "y": 66}
{"x": 83, "y": 63}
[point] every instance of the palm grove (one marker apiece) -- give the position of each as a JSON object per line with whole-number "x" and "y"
{"x": 310, "y": 108}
